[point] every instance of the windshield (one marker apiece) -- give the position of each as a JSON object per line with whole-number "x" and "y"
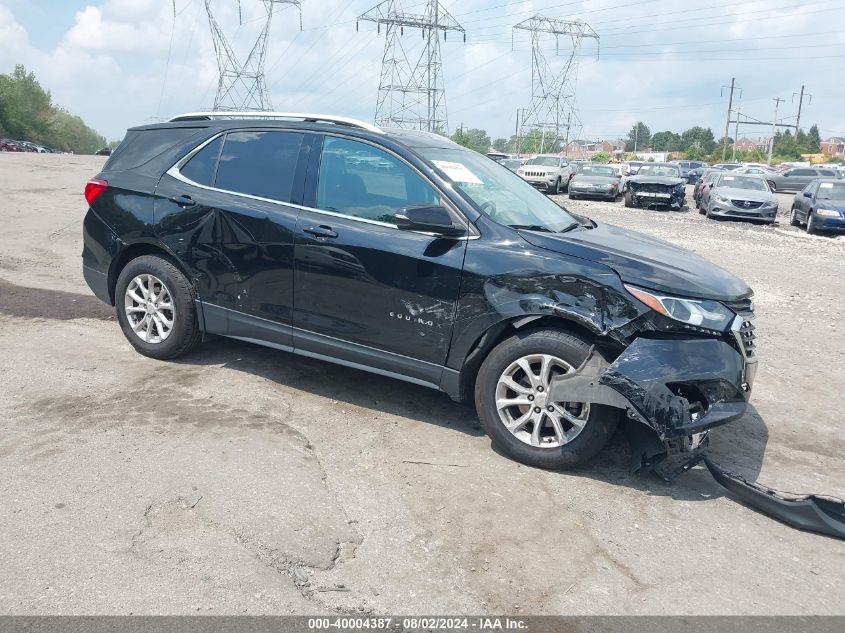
{"x": 660, "y": 170}
{"x": 832, "y": 191}
{"x": 743, "y": 182}
{"x": 545, "y": 161}
{"x": 497, "y": 192}
{"x": 598, "y": 170}
{"x": 512, "y": 163}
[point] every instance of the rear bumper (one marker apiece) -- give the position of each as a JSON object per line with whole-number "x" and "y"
{"x": 678, "y": 387}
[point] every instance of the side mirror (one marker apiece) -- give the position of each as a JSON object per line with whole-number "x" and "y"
{"x": 429, "y": 219}
{"x": 808, "y": 194}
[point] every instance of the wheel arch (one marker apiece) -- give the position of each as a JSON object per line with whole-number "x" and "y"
{"x": 135, "y": 250}
{"x": 502, "y": 330}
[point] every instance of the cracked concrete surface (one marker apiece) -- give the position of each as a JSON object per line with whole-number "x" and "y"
{"x": 244, "y": 480}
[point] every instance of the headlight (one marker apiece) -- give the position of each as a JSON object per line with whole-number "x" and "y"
{"x": 720, "y": 198}
{"x": 827, "y": 213}
{"x": 710, "y": 315}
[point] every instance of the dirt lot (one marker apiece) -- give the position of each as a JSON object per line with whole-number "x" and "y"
{"x": 244, "y": 480}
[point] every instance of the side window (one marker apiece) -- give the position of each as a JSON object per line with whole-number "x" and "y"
{"x": 802, "y": 172}
{"x": 259, "y": 163}
{"x": 360, "y": 180}
{"x": 202, "y": 165}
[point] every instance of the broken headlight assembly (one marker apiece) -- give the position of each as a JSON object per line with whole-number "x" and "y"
{"x": 700, "y": 314}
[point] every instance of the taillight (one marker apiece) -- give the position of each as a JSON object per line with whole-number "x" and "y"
{"x": 93, "y": 189}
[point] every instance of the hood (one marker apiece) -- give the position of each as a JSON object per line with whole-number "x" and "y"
{"x": 744, "y": 194}
{"x": 656, "y": 180}
{"x": 646, "y": 261}
{"x": 834, "y": 205}
{"x": 597, "y": 180}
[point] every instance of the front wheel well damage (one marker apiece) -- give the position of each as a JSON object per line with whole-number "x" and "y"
{"x": 505, "y": 329}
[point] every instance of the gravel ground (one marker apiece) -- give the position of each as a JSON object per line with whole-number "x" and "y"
{"x": 245, "y": 480}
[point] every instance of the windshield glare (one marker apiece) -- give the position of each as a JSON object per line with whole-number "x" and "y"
{"x": 496, "y": 191}
{"x": 743, "y": 182}
{"x": 832, "y": 191}
{"x": 596, "y": 170}
{"x": 660, "y": 170}
{"x": 545, "y": 161}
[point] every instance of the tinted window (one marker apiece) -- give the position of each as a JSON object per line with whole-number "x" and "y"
{"x": 801, "y": 172}
{"x": 139, "y": 146}
{"x": 201, "y": 167}
{"x": 358, "y": 179}
{"x": 259, "y": 163}
{"x": 826, "y": 172}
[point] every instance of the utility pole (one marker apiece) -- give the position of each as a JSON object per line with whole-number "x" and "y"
{"x": 411, "y": 92}
{"x": 777, "y": 101}
{"x": 568, "y": 123}
{"x": 800, "y": 103}
{"x": 636, "y": 136}
{"x": 736, "y": 134}
{"x": 728, "y": 122}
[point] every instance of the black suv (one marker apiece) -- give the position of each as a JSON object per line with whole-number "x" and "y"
{"x": 402, "y": 253}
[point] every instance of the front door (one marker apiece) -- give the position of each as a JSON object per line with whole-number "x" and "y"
{"x": 365, "y": 289}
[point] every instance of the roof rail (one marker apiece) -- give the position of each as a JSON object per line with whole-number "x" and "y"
{"x": 258, "y": 114}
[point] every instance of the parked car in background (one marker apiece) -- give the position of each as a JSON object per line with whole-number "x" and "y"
{"x": 512, "y": 163}
{"x": 741, "y": 196}
{"x": 689, "y": 169}
{"x": 547, "y": 172}
{"x": 595, "y": 181}
{"x": 497, "y": 156}
{"x": 795, "y": 179}
{"x": 820, "y": 206}
{"x": 727, "y": 166}
{"x": 443, "y": 270}
{"x": 106, "y": 151}
{"x": 632, "y": 166}
{"x": 702, "y": 187}
{"x": 656, "y": 185}
{"x": 754, "y": 170}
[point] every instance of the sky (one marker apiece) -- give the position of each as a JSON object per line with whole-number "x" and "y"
{"x": 119, "y": 63}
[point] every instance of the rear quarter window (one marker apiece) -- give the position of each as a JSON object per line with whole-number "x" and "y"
{"x": 259, "y": 164}
{"x": 141, "y": 146}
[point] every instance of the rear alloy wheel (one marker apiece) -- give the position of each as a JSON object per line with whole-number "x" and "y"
{"x": 793, "y": 218}
{"x": 155, "y": 307}
{"x": 513, "y": 402}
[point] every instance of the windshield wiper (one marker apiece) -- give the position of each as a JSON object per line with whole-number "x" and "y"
{"x": 531, "y": 227}
{"x": 571, "y": 227}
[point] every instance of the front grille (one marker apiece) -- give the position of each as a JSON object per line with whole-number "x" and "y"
{"x": 746, "y": 338}
{"x": 535, "y": 174}
{"x": 652, "y": 188}
{"x": 746, "y": 204}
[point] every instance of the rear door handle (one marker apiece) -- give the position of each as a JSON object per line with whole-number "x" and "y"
{"x": 183, "y": 201}
{"x": 320, "y": 231}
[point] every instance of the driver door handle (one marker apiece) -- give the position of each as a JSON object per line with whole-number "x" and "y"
{"x": 183, "y": 201}
{"x": 320, "y": 231}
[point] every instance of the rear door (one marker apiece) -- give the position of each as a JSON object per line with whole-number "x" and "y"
{"x": 229, "y": 213}
{"x": 367, "y": 291}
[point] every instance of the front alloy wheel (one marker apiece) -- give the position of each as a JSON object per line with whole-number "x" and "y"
{"x": 527, "y": 411}
{"x": 149, "y": 308}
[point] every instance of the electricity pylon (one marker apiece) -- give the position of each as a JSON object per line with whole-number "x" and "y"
{"x": 553, "y": 106}
{"x": 411, "y": 92}
{"x": 242, "y": 86}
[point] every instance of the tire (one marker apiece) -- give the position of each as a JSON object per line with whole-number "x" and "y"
{"x": 629, "y": 200}
{"x": 184, "y": 333}
{"x": 599, "y": 421}
{"x": 557, "y": 187}
{"x": 793, "y": 218}
{"x": 572, "y": 196}
{"x": 772, "y": 185}
{"x": 707, "y": 213}
{"x": 811, "y": 224}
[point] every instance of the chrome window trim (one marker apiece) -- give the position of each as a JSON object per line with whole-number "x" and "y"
{"x": 175, "y": 172}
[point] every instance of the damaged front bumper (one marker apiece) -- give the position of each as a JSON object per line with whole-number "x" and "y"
{"x": 678, "y": 387}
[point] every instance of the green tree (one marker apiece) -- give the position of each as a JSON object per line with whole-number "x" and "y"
{"x": 813, "y": 139}
{"x": 666, "y": 142}
{"x": 501, "y": 145}
{"x": 475, "y": 139}
{"x": 702, "y": 136}
{"x": 601, "y": 157}
{"x": 638, "y": 138}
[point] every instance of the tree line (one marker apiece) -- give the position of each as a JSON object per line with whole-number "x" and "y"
{"x": 696, "y": 143}
{"x": 27, "y": 113}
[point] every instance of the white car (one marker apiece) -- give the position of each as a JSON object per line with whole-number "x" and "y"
{"x": 547, "y": 172}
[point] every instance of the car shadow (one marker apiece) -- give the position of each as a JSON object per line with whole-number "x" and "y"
{"x": 737, "y": 447}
